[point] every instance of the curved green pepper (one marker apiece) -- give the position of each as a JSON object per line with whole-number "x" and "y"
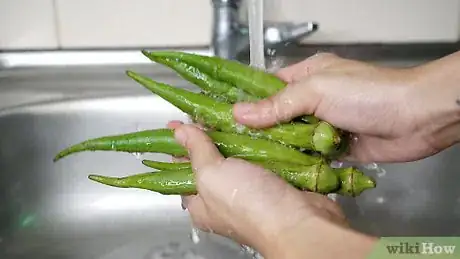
{"x": 321, "y": 137}
{"x": 162, "y": 141}
{"x": 223, "y": 79}
{"x": 319, "y": 178}
{"x": 211, "y": 87}
{"x": 164, "y": 182}
{"x": 316, "y": 178}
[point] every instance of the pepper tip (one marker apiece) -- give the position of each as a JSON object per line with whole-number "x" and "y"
{"x": 145, "y": 52}
{"x": 326, "y": 138}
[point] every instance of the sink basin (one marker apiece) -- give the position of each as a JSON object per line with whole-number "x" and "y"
{"x": 51, "y": 210}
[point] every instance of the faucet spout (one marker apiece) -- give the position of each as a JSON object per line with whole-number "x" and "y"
{"x": 230, "y": 37}
{"x": 225, "y": 28}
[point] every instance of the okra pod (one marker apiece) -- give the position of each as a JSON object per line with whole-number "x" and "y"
{"x": 163, "y": 182}
{"x": 320, "y": 178}
{"x": 162, "y": 141}
{"x": 158, "y": 141}
{"x": 216, "y": 75}
{"x": 211, "y": 87}
{"x": 253, "y": 81}
{"x": 354, "y": 181}
{"x": 320, "y": 137}
{"x": 315, "y": 178}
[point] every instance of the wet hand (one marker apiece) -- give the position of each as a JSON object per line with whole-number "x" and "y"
{"x": 385, "y": 108}
{"x": 243, "y": 201}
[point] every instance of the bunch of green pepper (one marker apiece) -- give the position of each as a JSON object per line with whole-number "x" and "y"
{"x": 298, "y": 151}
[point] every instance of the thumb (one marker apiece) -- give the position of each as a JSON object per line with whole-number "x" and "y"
{"x": 202, "y": 151}
{"x": 295, "y": 100}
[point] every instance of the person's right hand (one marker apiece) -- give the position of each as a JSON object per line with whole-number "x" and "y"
{"x": 396, "y": 114}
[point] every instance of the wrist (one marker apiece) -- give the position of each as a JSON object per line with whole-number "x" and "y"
{"x": 437, "y": 92}
{"x": 320, "y": 238}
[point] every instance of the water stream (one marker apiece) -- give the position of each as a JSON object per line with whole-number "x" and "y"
{"x": 256, "y": 33}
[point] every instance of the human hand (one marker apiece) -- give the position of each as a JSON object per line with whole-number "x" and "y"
{"x": 386, "y": 109}
{"x": 251, "y": 205}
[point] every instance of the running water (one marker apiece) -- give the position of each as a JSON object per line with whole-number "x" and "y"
{"x": 256, "y": 33}
{"x": 194, "y": 235}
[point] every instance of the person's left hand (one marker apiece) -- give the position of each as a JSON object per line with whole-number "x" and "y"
{"x": 244, "y": 201}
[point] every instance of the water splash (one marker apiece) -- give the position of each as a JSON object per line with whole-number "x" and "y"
{"x": 240, "y": 128}
{"x": 337, "y": 164}
{"x": 332, "y": 196}
{"x": 194, "y": 235}
{"x": 251, "y": 251}
{"x": 375, "y": 167}
{"x": 137, "y": 155}
{"x": 371, "y": 166}
{"x": 271, "y": 52}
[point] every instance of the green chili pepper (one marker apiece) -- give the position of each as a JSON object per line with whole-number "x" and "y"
{"x": 236, "y": 82}
{"x": 162, "y": 141}
{"x": 164, "y": 182}
{"x": 217, "y": 89}
{"x": 319, "y": 178}
{"x": 321, "y": 137}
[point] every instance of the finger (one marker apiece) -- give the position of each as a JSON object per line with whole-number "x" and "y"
{"x": 292, "y": 101}
{"x": 197, "y": 209}
{"x": 306, "y": 67}
{"x": 174, "y": 124}
{"x": 202, "y": 151}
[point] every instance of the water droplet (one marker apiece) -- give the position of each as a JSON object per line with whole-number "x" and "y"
{"x": 380, "y": 200}
{"x": 271, "y": 52}
{"x": 375, "y": 167}
{"x": 336, "y": 164}
{"x": 287, "y": 101}
{"x": 194, "y": 235}
{"x": 332, "y": 196}
{"x": 137, "y": 155}
{"x": 371, "y": 166}
{"x": 250, "y": 251}
{"x": 354, "y": 139}
{"x": 240, "y": 128}
{"x": 381, "y": 172}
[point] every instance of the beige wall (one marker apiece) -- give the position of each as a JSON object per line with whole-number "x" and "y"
{"x": 133, "y": 23}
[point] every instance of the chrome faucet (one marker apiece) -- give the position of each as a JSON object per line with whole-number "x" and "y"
{"x": 230, "y": 37}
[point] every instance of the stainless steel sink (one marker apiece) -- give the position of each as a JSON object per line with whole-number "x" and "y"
{"x": 51, "y": 210}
